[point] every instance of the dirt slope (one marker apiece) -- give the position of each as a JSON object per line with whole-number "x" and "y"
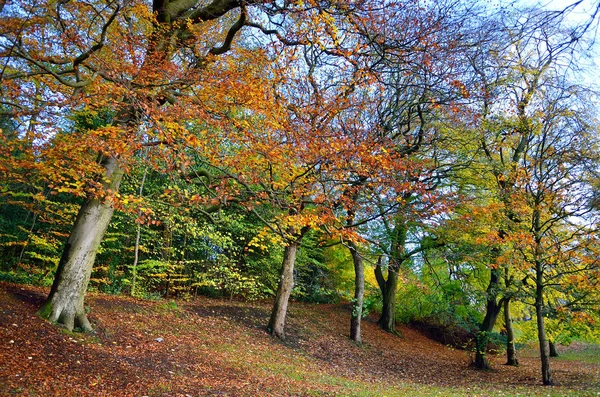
{"x": 215, "y": 348}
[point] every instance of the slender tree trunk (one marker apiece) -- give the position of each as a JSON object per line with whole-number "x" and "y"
{"x": 64, "y": 305}
{"x": 511, "y": 352}
{"x": 286, "y": 283}
{"x": 136, "y": 253}
{"x": 487, "y": 326}
{"x": 28, "y": 238}
{"x": 539, "y": 295}
{"x": 136, "y": 250}
{"x": 359, "y": 293}
{"x": 552, "y": 346}
{"x": 544, "y": 353}
{"x": 481, "y": 361}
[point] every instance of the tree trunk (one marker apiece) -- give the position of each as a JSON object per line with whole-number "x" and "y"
{"x": 136, "y": 254}
{"x": 388, "y": 286}
{"x": 286, "y": 283}
{"x": 136, "y": 250}
{"x": 544, "y": 354}
{"x": 387, "y": 321}
{"x": 511, "y": 352}
{"x": 64, "y": 305}
{"x": 20, "y": 260}
{"x": 487, "y": 326}
{"x": 553, "y": 351}
{"x": 539, "y": 296}
{"x": 359, "y": 293}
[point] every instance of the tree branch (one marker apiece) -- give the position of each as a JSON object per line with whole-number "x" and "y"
{"x": 226, "y": 46}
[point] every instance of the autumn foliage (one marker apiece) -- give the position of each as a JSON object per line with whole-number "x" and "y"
{"x": 433, "y": 162}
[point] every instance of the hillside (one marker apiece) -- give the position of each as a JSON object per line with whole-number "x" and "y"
{"x": 219, "y": 348}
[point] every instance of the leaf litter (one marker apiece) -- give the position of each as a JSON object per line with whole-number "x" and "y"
{"x": 208, "y": 347}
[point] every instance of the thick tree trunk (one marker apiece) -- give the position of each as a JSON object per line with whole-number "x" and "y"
{"x": 389, "y": 286}
{"x": 64, "y": 305}
{"x": 387, "y": 321}
{"x": 553, "y": 351}
{"x": 286, "y": 283}
{"x": 511, "y": 352}
{"x": 359, "y": 293}
{"x": 491, "y": 315}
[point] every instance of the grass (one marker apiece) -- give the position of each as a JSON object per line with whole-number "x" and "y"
{"x": 586, "y": 353}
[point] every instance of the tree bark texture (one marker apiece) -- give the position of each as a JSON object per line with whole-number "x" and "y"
{"x": 286, "y": 283}
{"x": 359, "y": 293}
{"x": 511, "y": 352}
{"x": 64, "y": 304}
{"x": 491, "y": 315}
{"x": 388, "y": 288}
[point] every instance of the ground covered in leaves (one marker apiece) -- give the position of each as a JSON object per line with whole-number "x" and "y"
{"x": 210, "y": 347}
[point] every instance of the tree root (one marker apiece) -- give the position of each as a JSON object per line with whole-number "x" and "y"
{"x": 69, "y": 319}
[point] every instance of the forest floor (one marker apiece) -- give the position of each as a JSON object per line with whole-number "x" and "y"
{"x": 208, "y": 347}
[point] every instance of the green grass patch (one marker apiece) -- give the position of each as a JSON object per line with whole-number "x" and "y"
{"x": 78, "y": 336}
{"x": 589, "y": 354}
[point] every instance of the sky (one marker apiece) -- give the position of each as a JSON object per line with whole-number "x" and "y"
{"x": 582, "y": 13}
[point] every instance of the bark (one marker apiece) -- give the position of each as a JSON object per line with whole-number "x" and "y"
{"x": 136, "y": 254}
{"x": 511, "y": 352}
{"x": 64, "y": 305}
{"x": 491, "y": 315}
{"x": 286, "y": 283}
{"x": 359, "y": 293}
{"x": 136, "y": 250}
{"x": 544, "y": 353}
{"x": 388, "y": 288}
{"x": 552, "y": 346}
{"x": 539, "y": 297}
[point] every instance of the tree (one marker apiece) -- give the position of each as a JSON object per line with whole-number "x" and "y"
{"x": 520, "y": 99}
{"x": 414, "y": 81}
{"x": 490, "y": 76}
{"x": 556, "y": 188}
{"x": 353, "y": 143}
{"x": 154, "y": 67}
